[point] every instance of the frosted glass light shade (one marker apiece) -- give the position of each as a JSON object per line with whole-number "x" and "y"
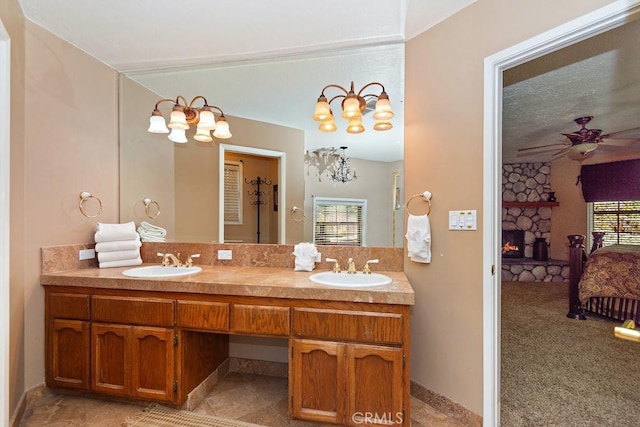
{"x": 203, "y": 135}
{"x": 382, "y": 125}
{"x": 178, "y": 135}
{"x": 207, "y": 119}
{"x": 178, "y": 119}
{"x": 351, "y": 107}
{"x": 383, "y": 109}
{"x": 222, "y": 129}
{"x": 584, "y": 148}
{"x": 355, "y": 125}
{"x": 328, "y": 125}
{"x": 322, "y": 111}
{"x": 157, "y": 124}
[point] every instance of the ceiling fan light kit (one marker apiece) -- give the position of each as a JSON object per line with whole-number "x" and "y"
{"x": 353, "y": 108}
{"x": 582, "y": 144}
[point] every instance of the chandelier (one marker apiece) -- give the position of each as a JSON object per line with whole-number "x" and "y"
{"x": 185, "y": 114}
{"x": 353, "y": 106}
{"x": 342, "y": 171}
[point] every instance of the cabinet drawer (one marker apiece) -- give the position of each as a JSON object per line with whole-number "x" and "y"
{"x": 203, "y": 315}
{"x": 372, "y": 327}
{"x": 69, "y": 306}
{"x": 137, "y": 311}
{"x": 260, "y": 320}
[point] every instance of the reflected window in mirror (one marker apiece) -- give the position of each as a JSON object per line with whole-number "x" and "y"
{"x": 232, "y": 193}
{"x": 339, "y": 221}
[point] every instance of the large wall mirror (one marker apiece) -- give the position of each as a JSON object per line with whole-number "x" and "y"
{"x": 268, "y": 104}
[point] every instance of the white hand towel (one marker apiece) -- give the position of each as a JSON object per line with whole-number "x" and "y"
{"x": 305, "y": 254}
{"x": 111, "y": 232}
{"x": 151, "y": 233}
{"x": 121, "y": 263}
{"x": 118, "y": 255}
{"x": 419, "y": 238}
{"x": 119, "y": 245}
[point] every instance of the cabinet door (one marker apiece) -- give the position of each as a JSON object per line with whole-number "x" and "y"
{"x": 375, "y": 385}
{"x": 68, "y": 353}
{"x": 111, "y": 359}
{"x": 317, "y": 381}
{"x": 153, "y": 367}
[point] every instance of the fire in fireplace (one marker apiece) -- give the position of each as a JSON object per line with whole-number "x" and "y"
{"x": 512, "y": 243}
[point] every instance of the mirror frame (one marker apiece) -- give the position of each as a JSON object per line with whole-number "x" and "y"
{"x": 282, "y": 174}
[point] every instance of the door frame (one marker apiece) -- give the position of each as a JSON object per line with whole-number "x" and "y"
{"x": 596, "y": 22}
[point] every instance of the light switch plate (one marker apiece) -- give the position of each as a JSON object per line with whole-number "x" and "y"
{"x": 463, "y": 220}
{"x": 225, "y": 254}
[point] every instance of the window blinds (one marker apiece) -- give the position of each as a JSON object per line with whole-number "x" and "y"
{"x": 232, "y": 193}
{"x": 339, "y": 221}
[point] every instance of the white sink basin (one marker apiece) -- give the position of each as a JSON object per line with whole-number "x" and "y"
{"x": 152, "y": 271}
{"x": 345, "y": 280}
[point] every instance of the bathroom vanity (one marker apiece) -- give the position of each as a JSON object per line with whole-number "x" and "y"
{"x": 159, "y": 339}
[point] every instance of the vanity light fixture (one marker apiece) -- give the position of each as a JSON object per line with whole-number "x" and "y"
{"x": 185, "y": 114}
{"x": 353, "y": 107}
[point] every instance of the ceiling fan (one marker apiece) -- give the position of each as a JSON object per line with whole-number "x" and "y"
{"x": 582, "y": 144}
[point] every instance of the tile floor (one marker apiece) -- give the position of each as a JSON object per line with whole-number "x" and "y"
{"x": 252, "y": 398}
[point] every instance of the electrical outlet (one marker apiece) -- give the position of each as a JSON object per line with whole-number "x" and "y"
{"x": 224, "y": 254}
{"x": 86, "y": 254}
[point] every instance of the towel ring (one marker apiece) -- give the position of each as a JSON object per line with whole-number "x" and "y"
{"x": 84, "y": 196}
{"x": 426, "y": 196}
{"x": 300, "y": 212}
{"x": 147, "y": 205}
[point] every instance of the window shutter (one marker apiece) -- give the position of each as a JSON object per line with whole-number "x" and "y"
{"x": 339, "y": 221}
{"x": 232, "y": 193}
{"x": 620, "y": 221}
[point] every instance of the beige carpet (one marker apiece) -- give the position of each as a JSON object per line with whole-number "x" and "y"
{"x": 160, "y": 416}
{"x": 563, "y": 372}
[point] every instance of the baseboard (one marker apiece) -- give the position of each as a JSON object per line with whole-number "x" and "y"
{"x": 445, "y": 405}
{"x": 28, "y": 397}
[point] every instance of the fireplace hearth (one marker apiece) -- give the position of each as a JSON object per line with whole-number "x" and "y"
{"x": 512, "y": 243}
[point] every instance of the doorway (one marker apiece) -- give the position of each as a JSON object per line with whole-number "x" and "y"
{"x": 601, "y": 20}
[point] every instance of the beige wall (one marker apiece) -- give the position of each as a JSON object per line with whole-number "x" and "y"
{"x": 443, "y": 153}
{"x": 68, "y": 143}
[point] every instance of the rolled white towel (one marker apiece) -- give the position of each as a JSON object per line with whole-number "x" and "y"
{"x": 121, "y": 263}
{"x": 113, "y": 232}
{"x": 119, "y": 245}
{"x": 118, "y": 255}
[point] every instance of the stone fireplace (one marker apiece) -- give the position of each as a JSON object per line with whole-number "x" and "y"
{"x": 526, "y": 215}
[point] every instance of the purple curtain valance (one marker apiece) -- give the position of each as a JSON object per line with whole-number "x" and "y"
{"x": 608, "y": 182}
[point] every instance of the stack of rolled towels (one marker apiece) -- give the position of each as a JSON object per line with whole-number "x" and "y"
{"x": 305, "y": 254}
{"x": 117, "y": 245}
{"x": 151, "y": 233}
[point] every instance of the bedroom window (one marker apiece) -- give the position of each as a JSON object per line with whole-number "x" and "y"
{"x": 620, "y": 221}
{"x": 232, "y": 193}
{"x": 339, "y": 221}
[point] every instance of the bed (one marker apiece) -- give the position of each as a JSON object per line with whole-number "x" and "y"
{"x": 606, "y": 283}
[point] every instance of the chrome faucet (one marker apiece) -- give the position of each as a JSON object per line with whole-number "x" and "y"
{"x": 170, "y": 259}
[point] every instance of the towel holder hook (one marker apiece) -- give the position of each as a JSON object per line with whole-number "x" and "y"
{"x": 84, "y": 196}
{"x": 425, "y": 196}
{"x": 147, "y": 208}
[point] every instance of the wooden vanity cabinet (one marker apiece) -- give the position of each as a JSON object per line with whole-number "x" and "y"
{"x": 68, "y": 346}
{"x": 134, "y": 357}
{"x": 339, "y": 376}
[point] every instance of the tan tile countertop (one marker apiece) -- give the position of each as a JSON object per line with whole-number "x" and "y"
{"x": 270, "y": 282}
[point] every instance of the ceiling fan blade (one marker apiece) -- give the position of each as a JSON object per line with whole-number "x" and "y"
{"x": 541, "y": 146}
{"x": 622, "y": 142}
{"x": 561, "y": 153}
{"x": 633, "y": 133}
